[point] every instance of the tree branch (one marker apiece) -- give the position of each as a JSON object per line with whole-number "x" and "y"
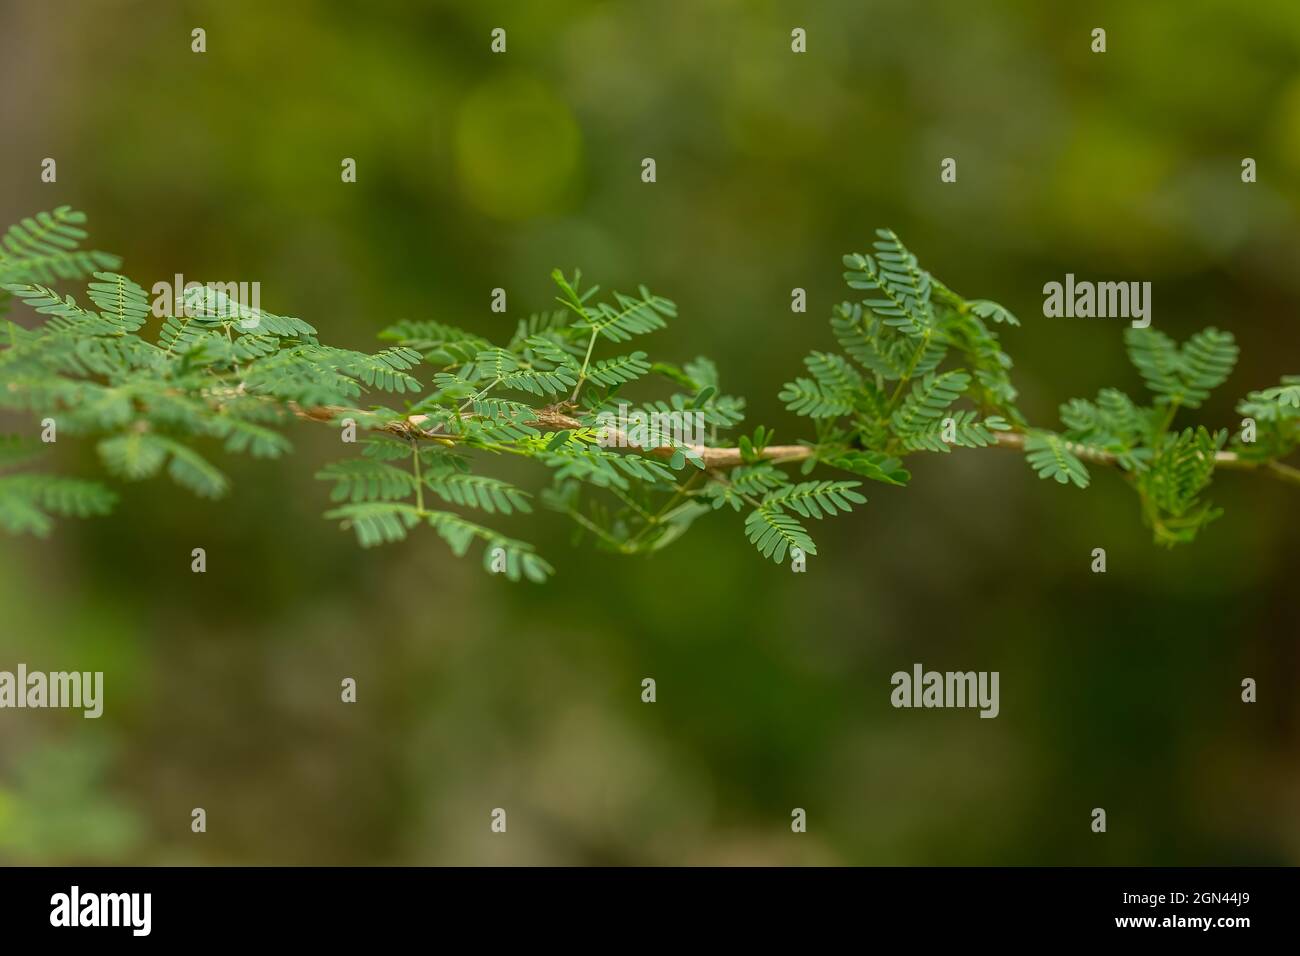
{"x": 1227, "y": 460}
{"x": 554, "y": 418}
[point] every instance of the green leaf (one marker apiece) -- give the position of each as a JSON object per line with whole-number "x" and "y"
{"x": 366, "y": 479}
{"x": 629, "y": 316}
{"x": 617, "y": 371}
{"x": 501, "y": 555}
{"x": 929, "y": 400}
{"x": 1181, "y": 376}
{"x": 815, "y": 499}
{"x": 557, "y": 381}
{"x": 46, "y": 247}
{"x": 1172, "y": 484}
{"x": 962, "y": 428}
{"x": 757, "y": 479}
{"x": 121, "y": 301}
{"x": 871, "y": 464}
{"x": 991, "y": 310}
{"x": 134, "y": 455}
{"x": 1274, "y": 404}
{"x": 27, "y": 500}
{"x": 805, "y": 397}
{"x": 774, "y": 532}
{"x": 477, "y": 491}
{"x": 439, "y": 344}
{"x": 376, "y": 522}
{"x": 905, "y": 288}
{"x": 1208, "y": 358}
{"x": 831, "y": 391}
{"x": 1050, "y": 456}
{"x": 191, "y": 470}
{"x": 384, "y": 370}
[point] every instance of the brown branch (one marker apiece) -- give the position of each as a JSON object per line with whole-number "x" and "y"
{"x": 555, "y": 419}
{"x": 1227, "y": 460}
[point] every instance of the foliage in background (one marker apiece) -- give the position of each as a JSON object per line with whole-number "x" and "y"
{"x": 56, "y": 805}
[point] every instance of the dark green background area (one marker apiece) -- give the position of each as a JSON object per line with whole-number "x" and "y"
{"x": 477, "y": 171}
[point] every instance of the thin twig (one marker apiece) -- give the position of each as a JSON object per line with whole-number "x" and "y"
{"x": 712, "y": 457}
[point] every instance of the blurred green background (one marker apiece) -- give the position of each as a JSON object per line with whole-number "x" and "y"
{"x": 477, "y": 171}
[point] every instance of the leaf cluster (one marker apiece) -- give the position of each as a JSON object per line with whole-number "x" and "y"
{"x": 162, "y": 386}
